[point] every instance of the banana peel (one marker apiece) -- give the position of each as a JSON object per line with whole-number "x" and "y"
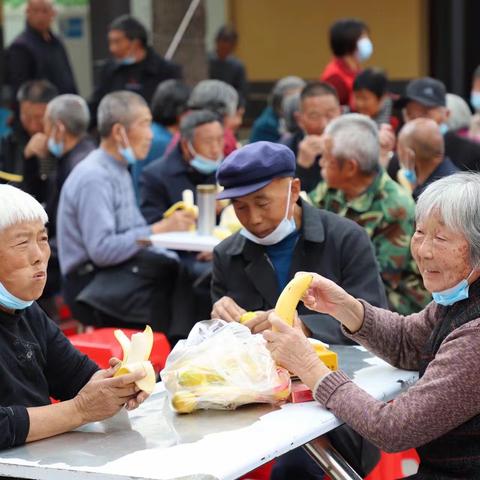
{"x": 288, "y": 300}
{"x": 329, "y": 358}
{"x": 136, "y": 353}
{"x": 186, "y": 204}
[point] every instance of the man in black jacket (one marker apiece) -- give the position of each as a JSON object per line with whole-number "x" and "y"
{"x": 39, "y": 54}
{"x": 282, "y": 235}
{"x": 135, "y": 66}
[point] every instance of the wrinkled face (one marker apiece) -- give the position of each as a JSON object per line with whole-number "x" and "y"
{"x": 415, "y": 110}
{"x": 119, "y": 44}
{"x": 140, "y": 133}
{"x": 366, "y": 102}
{"x": 316, "y": 113}
{"x": 24, "y": 254}
{"x": 332, "y": 172}
{"x": 208, "y": 140}
{"x": 260, "y": 212}
{"x": 442, "y": 255}
{"x": 40, "y": 14}
{"x": 31, "y": 116}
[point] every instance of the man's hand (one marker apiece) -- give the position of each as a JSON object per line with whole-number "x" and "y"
{"x": 103, "y": 396}
{"x": 260, "y": 322}
{"x": 226, "y": 309}
{"x": 179, "y": 221}
{"x": 309, "y": 149}
{"x": 386, "y": 136}
{"x": 37, "y": 146}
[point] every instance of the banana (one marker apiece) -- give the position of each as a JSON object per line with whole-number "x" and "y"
{"x": 184, "y": 402}
{"x": 136, "y": 353}
{"x": 185, "y": 204}
{"x": 329, "y": 358}
{"x": 195, "y": 376}
{"x": 290, "y": 296}
{"x": 247, "y": 316}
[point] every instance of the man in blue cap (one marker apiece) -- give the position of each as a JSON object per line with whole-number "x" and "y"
{"x": 281, "y": 235}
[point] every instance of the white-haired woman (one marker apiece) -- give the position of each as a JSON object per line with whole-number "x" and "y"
{"x": 440, "y": 415}
{"x": 36, "y": 360}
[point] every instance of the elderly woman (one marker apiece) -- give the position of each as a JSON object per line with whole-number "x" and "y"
{"x": 440, "y": 415}
{"x": 36, "y": 360}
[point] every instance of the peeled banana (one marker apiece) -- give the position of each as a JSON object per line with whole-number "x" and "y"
{"x": 136, "y": 353}
{"x": 186, "y": 204}
{"x": 329, "y": 358}
{"x": 287, "y": 301}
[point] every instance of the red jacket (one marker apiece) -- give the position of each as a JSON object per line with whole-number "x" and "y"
{"x": 338, "y": 74}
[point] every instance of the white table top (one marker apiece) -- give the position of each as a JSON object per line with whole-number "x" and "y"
{"x": 189, "y": 241}
{"x": 152, "y": 442}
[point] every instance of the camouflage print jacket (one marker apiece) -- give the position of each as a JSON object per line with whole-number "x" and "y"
{"x": 387, "y": 212}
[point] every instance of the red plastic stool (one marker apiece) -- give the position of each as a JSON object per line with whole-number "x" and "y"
{"x": 393, "y": 466}
{"x": 260, "y": 473}
{"x": 100, "y": 345}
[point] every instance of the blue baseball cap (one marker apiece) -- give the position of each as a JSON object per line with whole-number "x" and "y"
{"x": 254, "y": 166}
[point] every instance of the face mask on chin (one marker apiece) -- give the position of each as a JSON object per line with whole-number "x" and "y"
{"x": 203, "y": 164}
{"x": 127, "y": 151}
{"x": 282, "y": 231}
{"x": 55, "y": 148}
{"x": 10, "y": 301}
{"x": 452, "y": 295}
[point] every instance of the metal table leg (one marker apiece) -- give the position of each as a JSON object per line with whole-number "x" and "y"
{"x": 329, "y": 460}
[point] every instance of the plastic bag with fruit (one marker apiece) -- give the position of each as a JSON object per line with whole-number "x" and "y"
{"x": 222, "y": 366}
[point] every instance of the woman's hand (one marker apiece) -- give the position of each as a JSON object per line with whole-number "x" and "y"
{"x": 325, "y": 296}
{"x": 291, "y": 349}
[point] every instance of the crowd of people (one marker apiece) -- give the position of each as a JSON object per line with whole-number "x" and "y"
{"x": 363, "y": 188}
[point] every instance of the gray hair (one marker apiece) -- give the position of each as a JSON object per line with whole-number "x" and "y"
{"x": 18, "y": 206}
{"x": 214, "y": 95}
{"x": 460, "y": 114}
{"x": 194, "y": 119}
{"x": 456, "y": 199}
{"x": 282, "y": 87}
{"x": 118, "y": 107}
{"x": 355, "y": 137}
{"x": 291, "y": 105}
{"x": 72, "y": 111}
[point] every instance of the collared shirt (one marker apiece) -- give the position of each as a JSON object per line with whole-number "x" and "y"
{"x": 98, "y": 219}
{"x": 387, "y": 212}
{"x": 447, "y": 167}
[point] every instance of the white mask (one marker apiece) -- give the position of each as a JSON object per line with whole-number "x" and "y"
{"x": 283, "y": 230}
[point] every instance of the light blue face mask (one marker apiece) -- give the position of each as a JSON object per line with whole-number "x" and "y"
{"x": 475, "y": 100}
{"x": 127, "y": 152}
{"x": 127, "y": 61}
{"x": 203, "y": 164}
{"x": 56, "y": 149}
{"x": 10, "y": 301}
{"x": 283, "y": 230}
{"x": 410, "y": 175}
{"x": 454, "y": 294}
{"x": 364, "y": 49}
{"x": 443, "y": 128}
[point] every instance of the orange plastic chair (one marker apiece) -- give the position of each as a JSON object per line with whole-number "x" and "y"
{"x": 393, "y": 466}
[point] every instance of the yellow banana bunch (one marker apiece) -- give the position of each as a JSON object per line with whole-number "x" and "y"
{"x": 287, "y": 301}
{"x": 136, "y": 353}
{"x": 186, "y": 204}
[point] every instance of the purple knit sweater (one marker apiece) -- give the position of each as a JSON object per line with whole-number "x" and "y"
{"x": 447, "y": 396}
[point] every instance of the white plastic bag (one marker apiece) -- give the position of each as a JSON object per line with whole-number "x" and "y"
{"x": 222, "y": 366}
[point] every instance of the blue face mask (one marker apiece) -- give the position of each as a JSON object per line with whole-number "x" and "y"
{"x": 283, "y": 230}
{"x": 127, "y": 152}
{"x": 56, "y": 149}
{"x": 410, "y": 175}
{"x": 443, "y": 128}
{"x": 127, "y": 61}
{"x": 475, "y": 100}
{"x": 10, "y": 301}
{"x": 454, "y": 294}
{"x": 202, "y": 164}
{"x": 364, "y": 49}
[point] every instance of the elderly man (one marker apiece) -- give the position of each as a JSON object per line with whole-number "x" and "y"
{"x": 426, "y": 98}
{"x": 36, "y": 361}
{"x": 134, "y": 65}
{"x": 268, "y": 126}
{"x": 421, "y": 154}
{"x": 39, "y": 54}
{"x": 318, "y": 106}
{"x": 281, "y": 235}
{"x": 109, "y": 279}
{"x": 355, "y": 187}
{"x": 194, "y": 161}
{"x": 22, "y": 143}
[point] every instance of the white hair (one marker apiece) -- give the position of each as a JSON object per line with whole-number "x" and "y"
{"x": 456, "y": 200}
{"x": 460, "y": 114}
{"x": 355, "y": 137}
{"x": 214, "y": 95}
{"x": 72, "y": 111}
{"x": 16, "y": 206}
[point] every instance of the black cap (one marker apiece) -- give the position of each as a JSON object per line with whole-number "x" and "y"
{"x": 254, "y": 166}
{"x": 427, "y": 91}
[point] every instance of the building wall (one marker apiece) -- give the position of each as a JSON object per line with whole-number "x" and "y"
{"x": 290, "y": 37}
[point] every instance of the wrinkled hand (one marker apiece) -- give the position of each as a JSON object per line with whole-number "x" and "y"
{"x": 309, "y": 149}
{"x": 179, "y": 221}
{"x": 387, "y": 139}
{"x": 291, "y": 349}
{"x": 103, "y": 396}
{"x": 37, "y": 146}
{"x": 260, "y": 322}
{"x": 226, "y": 309}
